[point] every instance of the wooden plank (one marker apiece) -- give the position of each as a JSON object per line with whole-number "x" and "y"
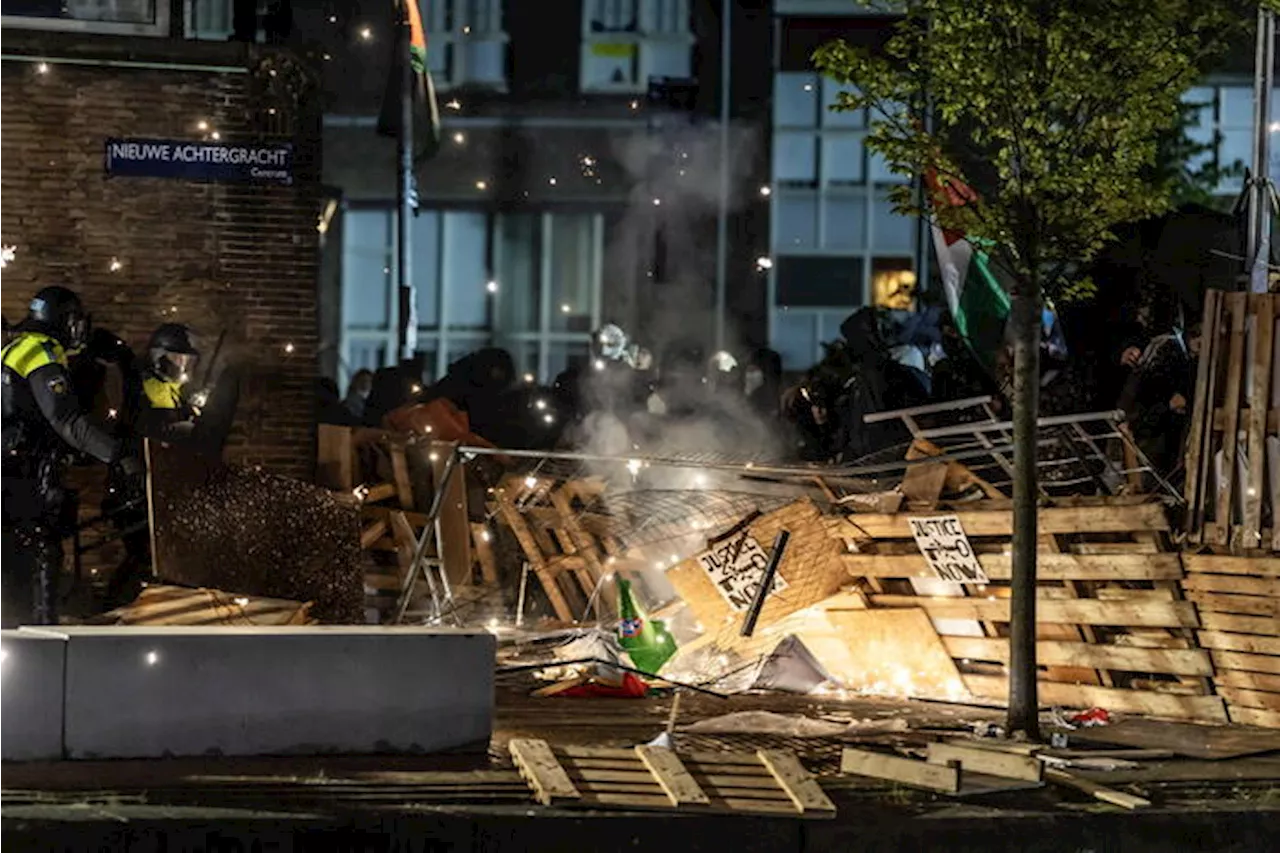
{"x": 482, "y": 542}
{"x": 400, "y": 473}
{"x": 417, "y": 520}
{"x": 1255, "y": 717}
{"x": 537, "y": 764}
{"x": 907, "y": 771}
{"x": 1049, "y": 567}
{"x": 672, "y": 776}
{"x": 1247, "y": 605}
{"x": 1096, "y": 790}
{"x": 593, "y": 573}
{"x": 453, "y": 528}
{"x": 1193, "y": 740}
{"x": 1256, "y": 421}
{"x": 1249, "y": 680}
{"x": 1151, "y": 614}
{"x": 1239, "y": 584}
{"x": 335, "y": 461}
{"x": 1208, "y": 708}
{"x": 1226, "y": 485}
{"x": 1200, "y": 442}
{"x": 1241, "y": 698}
{"x": 1267, "y": 567}
{"x": 1100, "y": 656}
{"x": 378, "y": 493}
{"x": 1261, "y": 625}
{"x": 660, "y": 802}
{"x": 799, "y": 784}
{"x": 989, "y": 761}
{"x": 372, "y": 533}
{"x": 534, "y": 555}
{"x": 1074, "y": 519}
{"x": 1226, "y": 641}
{"x": 1225, "y": 660}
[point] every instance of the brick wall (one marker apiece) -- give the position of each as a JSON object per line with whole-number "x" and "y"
{"x": 143, "y": 251}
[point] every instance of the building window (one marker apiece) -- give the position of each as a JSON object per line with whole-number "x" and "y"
{"x": 466, "y": 43}
{"x": 114, "y": 17}
{"x": 1225, "y": 122}
{"x": 627, "y": 42}
{"x": 549, "y": 288}
{"x": 530, "y": 283}
{"x": 836, "y": 241}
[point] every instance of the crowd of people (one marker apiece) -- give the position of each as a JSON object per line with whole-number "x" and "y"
{"x": 621, "y": 399}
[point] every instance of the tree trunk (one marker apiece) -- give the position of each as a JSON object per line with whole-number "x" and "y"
{"x": 1026, "y": 317}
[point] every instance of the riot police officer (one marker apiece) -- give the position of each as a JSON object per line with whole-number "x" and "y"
{"x": 166, "y": 413}
{"x": 158, "y": 408}
{"x": 43, "y": 422}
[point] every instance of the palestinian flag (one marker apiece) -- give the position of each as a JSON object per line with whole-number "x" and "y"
{"x": 978, "y": 302}
{"x": 426, "y": 112}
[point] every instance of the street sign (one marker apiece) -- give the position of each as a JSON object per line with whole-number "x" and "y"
{"x": 200, "y": 161}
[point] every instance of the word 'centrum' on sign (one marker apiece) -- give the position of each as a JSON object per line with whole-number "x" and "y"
{"x": 195, "y": 153}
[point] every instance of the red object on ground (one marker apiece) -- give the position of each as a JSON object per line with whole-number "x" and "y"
{"x": 630, "y": 688}
{"x": 1092, "y": 717}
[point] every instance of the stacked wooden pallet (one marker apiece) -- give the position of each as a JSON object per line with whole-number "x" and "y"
{"x": 393, "y": 479}
{"x": 1239, "y": 603}
{"x": 1113, "y": 630}
{"x": 1233, "y": 451}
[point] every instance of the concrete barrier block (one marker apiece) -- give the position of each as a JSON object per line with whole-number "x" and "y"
{"x": 32, "y": 666}
{"x": 146, "y": 692}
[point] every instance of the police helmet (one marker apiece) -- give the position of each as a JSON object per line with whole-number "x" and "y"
{"x": 62, "y": 314}
{"x": 172, "y": 352}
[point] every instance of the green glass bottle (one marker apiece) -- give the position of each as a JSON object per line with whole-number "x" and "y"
{"x": 648, "y": 642}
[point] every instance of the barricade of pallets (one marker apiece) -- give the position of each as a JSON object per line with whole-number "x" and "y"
{"x": 1113, "y": 628}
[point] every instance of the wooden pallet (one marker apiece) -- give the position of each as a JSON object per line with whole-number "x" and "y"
{"x": 1234, "y": 438}
{"x": 572, "y": 554}
{"x": 1113, "y": 630}
{"x": 651, "y": 777}
{"x": 1239, "y": 603}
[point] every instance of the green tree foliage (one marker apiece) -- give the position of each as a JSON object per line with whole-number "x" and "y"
{"x": 1054, "y": 112}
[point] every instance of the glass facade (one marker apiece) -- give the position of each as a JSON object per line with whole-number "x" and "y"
{"x": 530, "y": 283}
{"x": 834, "y": 232}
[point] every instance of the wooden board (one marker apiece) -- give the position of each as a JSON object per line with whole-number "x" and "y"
{"x": 799, "y": 784}
{"x": 1211, "y": 743}
{"x": 537, "y": 764}
{"x": 1049, "y": 567}
{"x": 1073, "y": 519}
{"x": 905, "y": 771}
{"x": 1194, "y": 662}
{"x": 1097, "y": 790}
{"x": 453, "y": 530}
{"x": 1264, "y": 567}
{"x": 991, "y": 762}
{"x": 672, "y": 776}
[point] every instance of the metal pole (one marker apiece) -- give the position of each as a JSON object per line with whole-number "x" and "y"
{"x": 766, "y": 582}
{"x": 407, "y": 337}
{"x": 1258, "y": 237}
{"x": 722, "y": 219}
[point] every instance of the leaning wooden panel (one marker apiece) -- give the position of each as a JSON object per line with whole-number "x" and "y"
{"x": 810, "y": 569}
